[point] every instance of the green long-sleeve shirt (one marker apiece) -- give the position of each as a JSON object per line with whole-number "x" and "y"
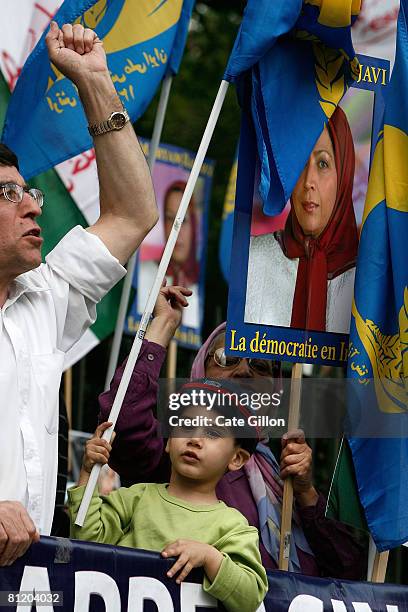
{"x": 146, "y": 516}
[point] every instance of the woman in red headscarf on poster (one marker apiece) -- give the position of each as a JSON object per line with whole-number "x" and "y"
{"x": 303, "y": 276}
{"x": 183, "y": 269}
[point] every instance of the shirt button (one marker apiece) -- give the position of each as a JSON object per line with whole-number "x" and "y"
{"x": 150, "y": 357}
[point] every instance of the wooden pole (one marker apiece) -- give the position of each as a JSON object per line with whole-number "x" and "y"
{"x": 287, "y": 504}
{"x": 380, "y": 566}
{"x": 171, "y": 365}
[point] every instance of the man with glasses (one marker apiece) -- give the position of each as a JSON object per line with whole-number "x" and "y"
{"x": 45, "y": 309}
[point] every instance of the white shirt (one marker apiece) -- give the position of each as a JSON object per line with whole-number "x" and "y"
{"x": 271, "y": 288}
{"x": 47, "y": 310}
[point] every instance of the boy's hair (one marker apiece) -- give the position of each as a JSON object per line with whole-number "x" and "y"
{"x": 227, "y": 404}
{"x": 7, "y": 157}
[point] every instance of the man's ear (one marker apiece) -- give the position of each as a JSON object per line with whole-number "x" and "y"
{"x": 167, "y": 449}
{"x": 239, "y": 459}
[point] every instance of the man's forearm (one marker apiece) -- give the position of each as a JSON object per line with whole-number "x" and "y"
{"x": 126, "y": 192}
{"x": 128, "y": 208}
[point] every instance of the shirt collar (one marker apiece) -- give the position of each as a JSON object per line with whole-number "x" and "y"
{"x": 25, "y": 283}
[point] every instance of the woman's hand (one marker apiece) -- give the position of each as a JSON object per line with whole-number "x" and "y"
{"x": 167, "y": 314}
{"x": 296, "y": 461}
{"x": 192, "y": 554}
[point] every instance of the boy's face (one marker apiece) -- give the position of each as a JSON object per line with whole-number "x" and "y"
{"x": 204, "y": 453}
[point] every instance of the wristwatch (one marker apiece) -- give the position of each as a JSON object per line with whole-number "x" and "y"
{"x": 116, "y": 121}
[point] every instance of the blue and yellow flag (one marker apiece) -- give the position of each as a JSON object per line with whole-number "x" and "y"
{"x": 143, "y": 40}
{"x": 292, "y": 62}
{"x": 378, "y": 357}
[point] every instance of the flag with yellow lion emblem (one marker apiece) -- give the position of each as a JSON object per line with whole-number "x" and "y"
{"x": 292, "y": 62}
{"x": 143, "y": 40}
{"x": 378, "y": 357}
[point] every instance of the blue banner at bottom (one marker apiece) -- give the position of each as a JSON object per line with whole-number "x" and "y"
{"x": 59, "y": 574}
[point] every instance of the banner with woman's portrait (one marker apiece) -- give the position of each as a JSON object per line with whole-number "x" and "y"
{"x": 187, "y": 265}
{"x": 294, "y": 301}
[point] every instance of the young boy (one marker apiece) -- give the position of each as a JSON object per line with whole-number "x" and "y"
{"x": 160, "y": 516}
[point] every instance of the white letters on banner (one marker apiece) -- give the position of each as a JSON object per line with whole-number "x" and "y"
{"x": 35, "y": 579}
{"x": 192, "y": 595}
{"x": 144, "y": 587}
{"x": 338, "y": 606}
{"x": 95, "y": 583}
{"x": 306, "y": 603}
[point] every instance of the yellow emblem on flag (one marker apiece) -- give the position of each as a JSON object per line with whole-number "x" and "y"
{"x": 376, "y": 189}
{"x": 388, "y": 357}
{"x": 329, "y": 77}
{"x": 395, "y": 168}
{"x": 139, "y": 22}
{"x": 336, "y": 13}
{"x": 94, "y": 15}
{"x": 388, "y": 172}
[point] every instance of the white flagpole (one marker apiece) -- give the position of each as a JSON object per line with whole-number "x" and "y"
{"x": 127, "y": 285}
{"x": 154, "y": 292}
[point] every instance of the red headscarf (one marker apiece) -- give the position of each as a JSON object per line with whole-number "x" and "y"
{"x": 335, "y": 250}
{"x": 188, "y": 273}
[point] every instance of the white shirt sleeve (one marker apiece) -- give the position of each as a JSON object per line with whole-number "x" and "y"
{"x": 79, "y": 271}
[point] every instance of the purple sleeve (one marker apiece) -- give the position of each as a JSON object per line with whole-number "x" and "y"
{"x": 337, "y": 552}
{"x": 137, "y": 451}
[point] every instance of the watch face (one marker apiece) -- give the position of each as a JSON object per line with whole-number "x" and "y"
{"x": 117, "y": 120}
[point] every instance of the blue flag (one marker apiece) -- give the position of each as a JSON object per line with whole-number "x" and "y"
{"x": 143, "y": 40}
{"x": 180, "y": 37}
{"x": 227, "y": 227}
{"x": 292, "y": 62}
{"x": 378, "y": 358}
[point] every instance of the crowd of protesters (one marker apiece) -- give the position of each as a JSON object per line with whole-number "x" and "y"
{"x": 176, "y": 485}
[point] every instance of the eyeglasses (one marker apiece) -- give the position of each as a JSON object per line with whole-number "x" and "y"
{"x": 15, "y": 193}
{"x": 263, "y": 367}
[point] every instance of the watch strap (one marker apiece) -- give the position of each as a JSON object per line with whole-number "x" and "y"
{"x": 103, "y": 127}
{"x": 96, "y": 129}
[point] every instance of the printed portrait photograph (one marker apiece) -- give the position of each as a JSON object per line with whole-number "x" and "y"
{"x": 301, "y": 263}
{"x": 170, "y": 180}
